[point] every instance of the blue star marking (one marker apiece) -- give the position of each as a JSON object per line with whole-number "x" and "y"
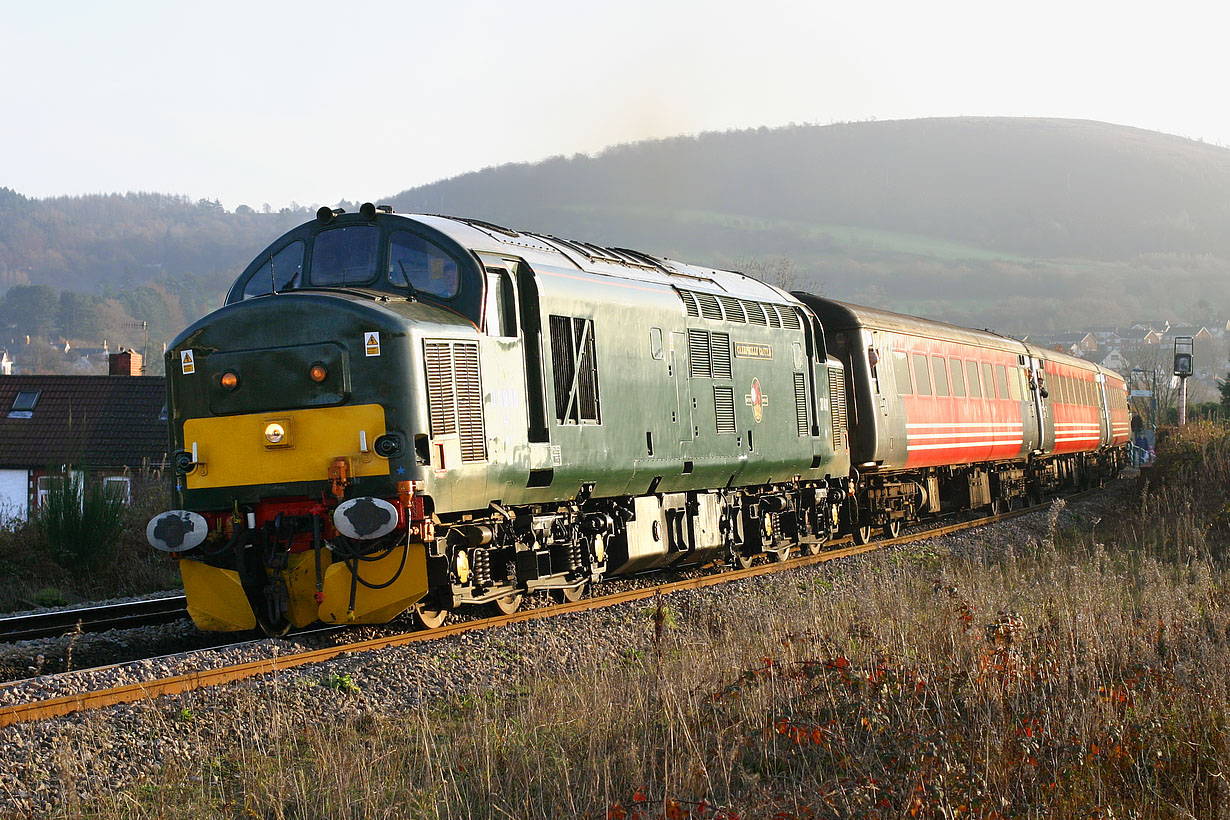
{"x": 401, "y": 470}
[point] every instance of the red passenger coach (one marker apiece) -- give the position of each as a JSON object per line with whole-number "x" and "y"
{"x": 963, "y": 404}
{"x": 944, "y": 417}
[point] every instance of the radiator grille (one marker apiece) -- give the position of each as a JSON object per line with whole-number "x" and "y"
{"x": 733, "y": 309}
{"x": 469, "y": 403}
{"x": 689, "y": 303}
{"x": 455, "y": 395}
{"x": 790, "y": 318}
{"x": 719, "y": 353}
{"x": 724, "y": 409}
{"x": 774, "y": 319}
{"x": 755, "y": 313}
{"x": 837, "y": 402}
{"x": 699, "y": 363}
{"x": 441, "y": 401}
{"x": 800, "y": 403}
{"x": 709, "y": 307}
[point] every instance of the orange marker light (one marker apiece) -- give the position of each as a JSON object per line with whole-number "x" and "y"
{"x": 230, "y": 380}
{"x": 318, "y": 373}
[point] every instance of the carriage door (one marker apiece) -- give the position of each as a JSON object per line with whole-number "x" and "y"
{"x": 1104, "y": 425}
{"x": 683, "y": 386}
{"x": 1037, "y": 380}
{"x": 1029, "y": 406}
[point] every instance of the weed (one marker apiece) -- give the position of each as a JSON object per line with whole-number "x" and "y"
{"x": 50, "y": 596}
{"x": 341, "y": 682}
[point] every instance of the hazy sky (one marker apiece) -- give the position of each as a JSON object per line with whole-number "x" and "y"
{"x": 269, "y": 102}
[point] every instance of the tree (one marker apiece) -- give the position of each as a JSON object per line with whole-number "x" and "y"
{"x": 78, "y": 316}
{"x": 779, "y": 271}
{"x": 30, "y": 310}
{"x": 1225, "y": 392}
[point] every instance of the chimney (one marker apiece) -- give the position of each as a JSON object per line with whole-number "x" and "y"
{"x": 124, "y": 363}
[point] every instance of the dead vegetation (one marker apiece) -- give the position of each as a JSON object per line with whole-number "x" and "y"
{"x": 1080, "y": 675}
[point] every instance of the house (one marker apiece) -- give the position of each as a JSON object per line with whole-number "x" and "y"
{"x": 1111, "y": 359}
{"x": 106, "y": 426}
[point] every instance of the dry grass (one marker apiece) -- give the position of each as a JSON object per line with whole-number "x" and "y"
{"x": 1072, "y": 677}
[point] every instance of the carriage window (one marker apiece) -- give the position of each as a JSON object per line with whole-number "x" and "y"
{"x": 1001, "y": 380}
{"x": 971, "y": 378}
{"x": 958, "y": 377}
{"x": 939, "y": 369}
{"x": 415, "y": 261}
{"x": 1014, "y": 384}
{"x": 922, "y": 374}
{"x": 283, "y": 271}
{"x": 901, "y": 374}
{"x": 988, "y": 381}
{"x": 345, "y": 256}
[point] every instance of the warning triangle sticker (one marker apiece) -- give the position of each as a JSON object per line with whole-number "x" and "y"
{"x": 371, "y": 343}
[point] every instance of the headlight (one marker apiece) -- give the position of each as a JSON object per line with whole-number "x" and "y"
{"x": 230, "y": 380}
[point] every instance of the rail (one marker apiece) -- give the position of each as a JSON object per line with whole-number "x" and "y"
{"x": 93, "y": 619}
{"x": 57, "y": 707}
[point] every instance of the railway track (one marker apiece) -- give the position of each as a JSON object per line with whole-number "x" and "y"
{"x": 93, "y": 619}
{"x": 56, "y": 707}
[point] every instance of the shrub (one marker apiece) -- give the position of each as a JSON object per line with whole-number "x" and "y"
{"x": 79, "y": 522}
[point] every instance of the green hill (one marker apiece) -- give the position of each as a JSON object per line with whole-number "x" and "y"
{"x": 1017, "y": 224}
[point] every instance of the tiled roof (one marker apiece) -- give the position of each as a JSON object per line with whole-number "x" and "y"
{"x": 89, "y": 421}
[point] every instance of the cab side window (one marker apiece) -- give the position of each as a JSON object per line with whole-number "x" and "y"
{"x": 281, "y": 271}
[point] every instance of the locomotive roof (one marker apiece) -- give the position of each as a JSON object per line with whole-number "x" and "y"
{"x": 621, "y": 263}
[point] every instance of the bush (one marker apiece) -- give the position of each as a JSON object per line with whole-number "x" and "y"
{"x": 79, "y": 522}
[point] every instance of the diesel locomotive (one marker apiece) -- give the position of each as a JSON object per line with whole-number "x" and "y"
{"x": 405, "y": 412}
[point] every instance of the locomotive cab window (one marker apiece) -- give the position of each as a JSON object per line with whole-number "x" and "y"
{"x": 345, "y": 256}
{"x": 283, "y": 270}
{"x": 417, "y": 263}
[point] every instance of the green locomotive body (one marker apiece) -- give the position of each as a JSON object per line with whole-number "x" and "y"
{"x": 415, "y": 411}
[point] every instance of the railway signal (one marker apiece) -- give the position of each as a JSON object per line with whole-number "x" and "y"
{"x": 1184, "y": 354}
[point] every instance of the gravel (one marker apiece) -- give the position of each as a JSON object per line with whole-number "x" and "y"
{"x": 121, "y": 746}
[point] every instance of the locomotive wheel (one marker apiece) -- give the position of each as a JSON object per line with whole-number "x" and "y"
{"x": 508, "y": 604}
{"x": 862, "y": 534}
{"x": 569, "y": 596}
{"x": 430, "y": 618}
{"x": 893, "y": 530}
{"x": 781, "y": 556}
{"x": 738, "y": 560}
{"x": 998, "y": 507}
